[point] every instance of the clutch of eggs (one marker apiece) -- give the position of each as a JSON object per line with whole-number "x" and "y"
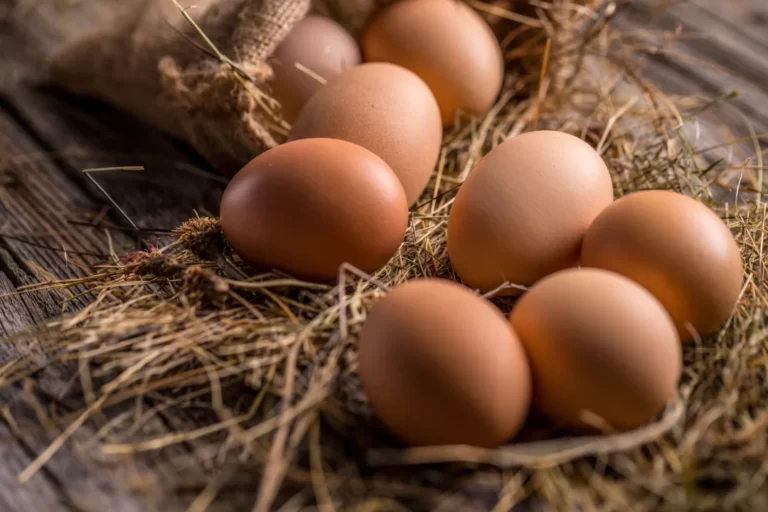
{"x": 602, "y": 349}
{"x": 429, "y": 62}
{"x": 386, "y": 109}
{"x": 440, "y": 364}
{"x": 675, "y": 247}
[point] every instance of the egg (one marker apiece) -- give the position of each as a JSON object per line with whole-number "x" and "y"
{"x": 441, "y": 365}
{"x": 308, "y": 206}
{"x": 522, "y": 212}
{"x": 316, "y": 51}
{"x": 600, "y": 346}
{"x": 384, "y": 108}
{"x": 447, "y": 44}
{"x": 675, "y": 247}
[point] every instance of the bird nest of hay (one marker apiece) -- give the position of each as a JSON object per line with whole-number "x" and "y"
{"x": 260, "y": 369}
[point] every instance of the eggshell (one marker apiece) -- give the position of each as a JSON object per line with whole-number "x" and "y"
{"x": 318, "y": 44}
{"x": 447, "y": 44}
{"x": 675, "y": 247}
{"x": 441, "y": 365}
{"x": 384, "y": 108}
{"x": 308, "y": 206}
{"x": 601, "y": 343}
{"x": 524, "y": 209}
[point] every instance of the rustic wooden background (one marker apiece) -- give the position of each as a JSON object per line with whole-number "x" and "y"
{"x": 53, "y": 220}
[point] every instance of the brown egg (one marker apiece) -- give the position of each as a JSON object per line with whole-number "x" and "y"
{"x": 675, "y": 247}
{"x": 384, "y": 108}
{"x": 316, "y": 50}
{"x": 447, "y": 44}
{"x": 598, "y": 343}
{"x": 524, "y": 209}
{"x": 308, "y": 206}
{"x": 441, "y": 365}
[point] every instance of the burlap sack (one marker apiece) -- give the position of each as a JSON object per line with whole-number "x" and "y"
{"x": 152, "y": 62}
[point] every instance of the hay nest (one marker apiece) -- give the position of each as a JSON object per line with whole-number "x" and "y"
{"x": 264, "y": 366}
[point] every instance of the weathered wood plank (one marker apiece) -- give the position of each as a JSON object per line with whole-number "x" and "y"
{"x": 40, "y": 199}
{"x": 36, "y": 206}
{"x": 89, "y": 486}
{"x": 746, "y": 17}
{"x": 41, "y": 494}
{"x": 83, "y": 490}
{"x": 88, "y": 134}
{"x": 714, "y": 57}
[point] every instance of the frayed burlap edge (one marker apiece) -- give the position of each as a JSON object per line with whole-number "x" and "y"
{"x": 198, "y": 77}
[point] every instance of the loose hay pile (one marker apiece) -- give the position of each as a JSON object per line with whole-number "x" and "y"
{"x": 271, "y": 361}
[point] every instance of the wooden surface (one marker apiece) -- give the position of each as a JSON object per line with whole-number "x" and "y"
{"x": 47, "y": 137}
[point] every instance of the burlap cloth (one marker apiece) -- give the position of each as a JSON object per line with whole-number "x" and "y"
{"x": 152, "y": 62}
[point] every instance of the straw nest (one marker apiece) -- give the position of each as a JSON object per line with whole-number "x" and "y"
{"x": 264, "y": 366}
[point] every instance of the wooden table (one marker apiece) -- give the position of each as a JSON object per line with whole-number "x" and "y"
{"x": 54, "y": 220}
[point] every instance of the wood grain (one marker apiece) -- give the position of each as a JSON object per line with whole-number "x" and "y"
{"x": 724, "y": 52}
{"x": 46, "y": 139}
{"x": 40, "y": 494}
